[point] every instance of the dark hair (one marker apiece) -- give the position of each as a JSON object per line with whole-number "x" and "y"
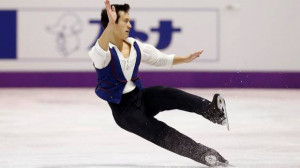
{"x": 104, "y": 17}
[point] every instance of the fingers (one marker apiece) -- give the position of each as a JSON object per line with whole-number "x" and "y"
{"x": 107, "y": 5}
{"x": 194, "y": 56}
{"x": 198, "y": 53}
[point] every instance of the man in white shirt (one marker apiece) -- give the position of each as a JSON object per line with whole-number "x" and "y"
{"x": 116, "y": 58}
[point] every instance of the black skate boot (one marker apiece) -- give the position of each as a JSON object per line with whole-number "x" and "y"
{"x": 217, "y": 111}
{"x": 212, "y": 158}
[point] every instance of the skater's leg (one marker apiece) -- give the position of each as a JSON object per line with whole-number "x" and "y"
{"x": 135, "y": 120}
{"x": 132, "y": 117}
{"x": 161, "y": 98}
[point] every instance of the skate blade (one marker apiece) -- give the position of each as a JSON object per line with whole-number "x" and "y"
{"x": 227, "y": 122}
{"x": 222, "y": 106}
{"x": 218, "y": 164}
{"x": 213, "y": 162}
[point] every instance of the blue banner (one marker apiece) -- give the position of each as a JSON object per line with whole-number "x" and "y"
{"x": 8, "y": 34}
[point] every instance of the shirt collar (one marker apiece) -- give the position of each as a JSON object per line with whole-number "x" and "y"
{"x": 130, "y": 40}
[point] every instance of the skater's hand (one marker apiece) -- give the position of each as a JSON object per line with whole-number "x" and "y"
{"x": 193, "y": 56}
{"x": 186, "y": 59}
{"x": 111, "y": 12}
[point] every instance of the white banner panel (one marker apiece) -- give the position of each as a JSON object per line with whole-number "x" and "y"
{"x": 54, "y": 35}
{"x": 67, "y": 35}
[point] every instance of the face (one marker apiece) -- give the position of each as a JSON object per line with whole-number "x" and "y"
{"x": 123, "y": 26}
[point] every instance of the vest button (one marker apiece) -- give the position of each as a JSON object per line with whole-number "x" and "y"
{"x": 116, "y": 84}
{"x": 111, "y": 97}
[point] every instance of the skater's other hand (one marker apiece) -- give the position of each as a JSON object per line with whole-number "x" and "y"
{"x": 111, "y": 12}
{"x": 193, "y": 56}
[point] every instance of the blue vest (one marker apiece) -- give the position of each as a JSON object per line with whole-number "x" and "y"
{"x": 111, "y": 80}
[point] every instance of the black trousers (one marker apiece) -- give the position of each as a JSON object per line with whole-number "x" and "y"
{"x": 137, "y": 109}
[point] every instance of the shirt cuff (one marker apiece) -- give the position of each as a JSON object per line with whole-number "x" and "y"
{"x": 100, "y": 50}
{"x": 169, "y": 64}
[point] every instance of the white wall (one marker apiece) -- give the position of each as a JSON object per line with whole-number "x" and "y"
{"x": 250, "y": 35}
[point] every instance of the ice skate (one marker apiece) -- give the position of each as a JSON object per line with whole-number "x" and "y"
{"x": 219, "y": 107}
{"x": 213, "y": 159}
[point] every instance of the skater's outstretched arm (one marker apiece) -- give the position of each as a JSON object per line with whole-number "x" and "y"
{"x": 151, "y": 55}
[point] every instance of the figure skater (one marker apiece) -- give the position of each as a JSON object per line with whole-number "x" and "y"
{"x": 116, "y": 58}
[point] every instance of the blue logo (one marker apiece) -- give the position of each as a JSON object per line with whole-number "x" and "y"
{"x": 165, "y": 31}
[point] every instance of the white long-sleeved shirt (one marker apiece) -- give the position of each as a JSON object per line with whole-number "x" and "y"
{"x": 149, "y": 55}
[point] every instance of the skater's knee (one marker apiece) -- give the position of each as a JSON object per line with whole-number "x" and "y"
{"x": 120, "y": 122}
{"x": 155, "y": 89}
{"x": 131, "y": 123}
{"x": 164, "y": 88}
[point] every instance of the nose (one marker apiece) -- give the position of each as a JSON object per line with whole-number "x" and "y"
{"x": 129, "y": 25}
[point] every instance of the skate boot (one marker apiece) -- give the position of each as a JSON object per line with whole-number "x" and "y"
{"x": 217, "y": 111}
{"x": 212, "y": 158}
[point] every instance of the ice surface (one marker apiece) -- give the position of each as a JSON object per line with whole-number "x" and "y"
{"x": 72, "y": 128}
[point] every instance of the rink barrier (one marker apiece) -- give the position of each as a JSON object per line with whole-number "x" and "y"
{"x": 288, "y": 80}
